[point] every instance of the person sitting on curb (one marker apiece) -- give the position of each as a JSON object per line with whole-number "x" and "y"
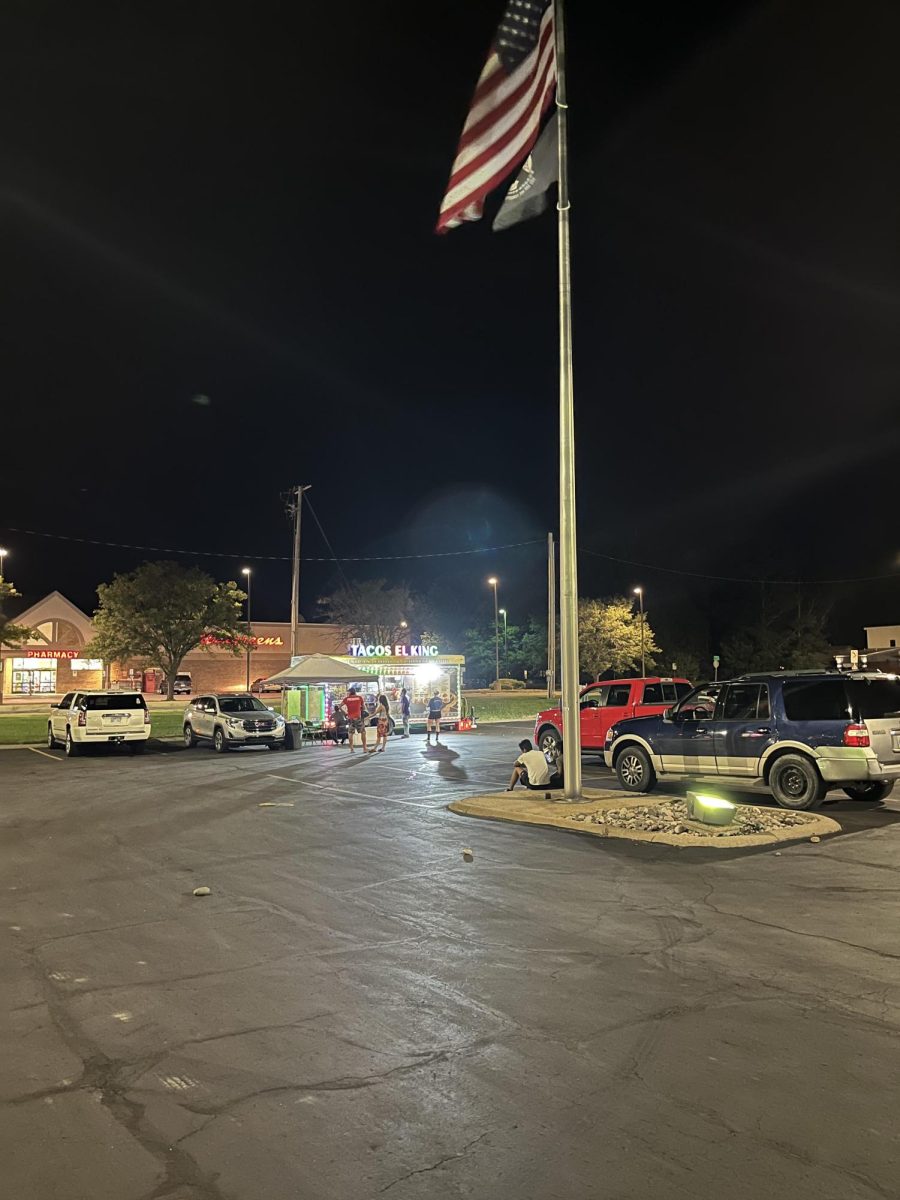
{"x": 533, "y": 770}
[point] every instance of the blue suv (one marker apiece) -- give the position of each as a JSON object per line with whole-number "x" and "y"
{"x": 798, "y": 733}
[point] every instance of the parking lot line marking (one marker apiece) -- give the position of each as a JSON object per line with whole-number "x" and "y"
{"x": 357, "y": 795}
{"x": 52, "y": 757}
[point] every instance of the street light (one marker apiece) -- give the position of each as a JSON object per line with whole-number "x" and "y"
{"x": 492, "y": 582}
{"x": 639, "y": 592}
{"x": 505, "y": 641}
{"x": 245, "y": 571}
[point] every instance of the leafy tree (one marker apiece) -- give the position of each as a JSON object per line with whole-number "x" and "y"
{"x": 371, "y": 611}
{"x": 687, "y": 664}
{"x": 160, "y": 612}
{"x": 10, "y": 634}
{"x": 609, "y": 634}
{"x": 479, "y": 649}
{"x": 790, "y": 637}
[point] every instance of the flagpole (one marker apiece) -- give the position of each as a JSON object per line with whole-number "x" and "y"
{"x": 568, "y": 563}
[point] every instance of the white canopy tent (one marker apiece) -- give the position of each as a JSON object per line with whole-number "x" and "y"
{"x": 319, "y": 668}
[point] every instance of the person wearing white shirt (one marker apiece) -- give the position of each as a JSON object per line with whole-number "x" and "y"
{"x": 533, "y": 770}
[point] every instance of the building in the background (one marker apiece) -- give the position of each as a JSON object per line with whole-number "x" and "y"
{"x": 883, "y": 647}
{"x": 53, "y": 659}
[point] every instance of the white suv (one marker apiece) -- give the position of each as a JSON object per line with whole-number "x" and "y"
{"x": 91, "y": 718}
{"x": 231, "y": 721}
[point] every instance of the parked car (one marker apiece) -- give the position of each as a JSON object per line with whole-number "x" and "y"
{"x": 183, "y": 684}
{"x": 229, "y": 721}
{"x": 798, "y": 733}
{"x": 603, "y": 704}
{"x": 260, "y": 687}
{"x": 95, "y": 718}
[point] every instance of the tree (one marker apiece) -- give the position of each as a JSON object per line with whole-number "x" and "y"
{"x": 371, "y": 611}
{"x": 609, "y": 634}
{"x": 479, "y": 647}
{"x": 790, "y": 637}
{"x": 10, "y": 635}
{"x": 162, "y": 611}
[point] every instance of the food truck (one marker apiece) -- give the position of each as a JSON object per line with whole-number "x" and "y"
{"x": 421, "y": 669}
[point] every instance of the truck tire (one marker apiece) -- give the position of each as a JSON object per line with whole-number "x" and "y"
{"x": 875, "y": 790}
{"x": 634, "y": 769}
{"x": 549, "y": 741}
{"x": 796, "y": 782}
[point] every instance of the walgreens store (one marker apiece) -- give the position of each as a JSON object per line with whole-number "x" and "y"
{"x": 53, "y": 660}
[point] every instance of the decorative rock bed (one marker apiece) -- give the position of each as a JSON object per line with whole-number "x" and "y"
{"x": 670, "y": 816}
{"x": 604, "y": 813}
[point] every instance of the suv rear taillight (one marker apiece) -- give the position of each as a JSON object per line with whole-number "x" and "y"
{"x": 856, "y": 735}
{"x": 146, "y": 716}
{"x": 82, "y": 717}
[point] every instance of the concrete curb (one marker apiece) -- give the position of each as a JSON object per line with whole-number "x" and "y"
{"x": 557, "y": 813}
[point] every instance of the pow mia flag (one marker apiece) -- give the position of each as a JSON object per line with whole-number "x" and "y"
{"x": 527, "y": 195}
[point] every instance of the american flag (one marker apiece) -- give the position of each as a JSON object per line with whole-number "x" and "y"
{"x": 513, "y": 93}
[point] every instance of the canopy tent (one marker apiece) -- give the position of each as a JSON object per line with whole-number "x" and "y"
{"x": 319, "y": 668}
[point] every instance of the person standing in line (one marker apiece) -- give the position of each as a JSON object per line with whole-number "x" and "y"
{"x": 404, "y": 711}
{"x": 383, "y": 713}
{"x": 353, "y": 707}
{"x": 433, "y": 719}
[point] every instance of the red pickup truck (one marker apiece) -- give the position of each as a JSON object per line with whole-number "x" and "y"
{"x": 602, "y": 704}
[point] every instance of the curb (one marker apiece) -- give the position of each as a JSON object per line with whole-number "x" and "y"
{"x": 499, "y": 806}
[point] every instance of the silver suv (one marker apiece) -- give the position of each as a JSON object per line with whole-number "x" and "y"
{"x": 231, "y": 721}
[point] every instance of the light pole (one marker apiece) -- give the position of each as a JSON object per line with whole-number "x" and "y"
{"x": 505, "y": 641}
{"x": 3, "y": 554}
{"x": 246, "y": 573}
{"x": 492, "y": 582}
{"x": 639, "y": 592}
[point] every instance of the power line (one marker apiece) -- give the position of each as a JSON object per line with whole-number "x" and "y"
{"x": 325, "y": 538}
{"x": 361, "y": 558}
{"x": 62, "y": 537}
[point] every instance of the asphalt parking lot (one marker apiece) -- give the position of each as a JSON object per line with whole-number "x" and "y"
{"x": 355, "y": 1010}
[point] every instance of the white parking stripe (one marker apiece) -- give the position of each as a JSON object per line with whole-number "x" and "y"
{"x": 52, "y": 757}
{"x": 356, "y": 795}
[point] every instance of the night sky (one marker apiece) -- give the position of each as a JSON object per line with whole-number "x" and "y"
{"x": 236, "y": 202}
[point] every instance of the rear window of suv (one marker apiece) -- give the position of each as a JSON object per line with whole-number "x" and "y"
{"x": 874, "y": 697}
{"x": 815, "y": 700}
{"x": 114, "y": 702}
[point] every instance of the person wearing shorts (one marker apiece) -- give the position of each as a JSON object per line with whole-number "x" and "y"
{"x": 433, "y": 719}
{"x": 354, "y": 709}
{"x": 532, "y": 769}
{"x": 383, "y": 713}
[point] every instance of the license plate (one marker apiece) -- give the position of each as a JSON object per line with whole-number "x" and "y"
{"x": 895, "y": 739}
{"x": 114, "y": 718}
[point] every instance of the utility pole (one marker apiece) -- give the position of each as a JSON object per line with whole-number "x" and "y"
{"x": 551, "y": 617}
{"x": 296, "y": 507}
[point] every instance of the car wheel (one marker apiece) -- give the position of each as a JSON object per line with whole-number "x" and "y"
{"x": 795, "y": 782}
{"x": 634, "y": 770}
{"x": 71, "y": 747}
{"x": 51, "y": 740}
{"x": 220, "y": 745}
{"x": 189, "y": 740}
{"x": 550, "y": 742}
{"x": 876, "y": 790}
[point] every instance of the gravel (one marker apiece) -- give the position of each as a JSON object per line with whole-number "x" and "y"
{"x": 671, "y": 817}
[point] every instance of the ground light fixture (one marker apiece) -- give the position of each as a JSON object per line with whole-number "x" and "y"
{"x": 710, "y": 810}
